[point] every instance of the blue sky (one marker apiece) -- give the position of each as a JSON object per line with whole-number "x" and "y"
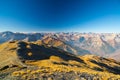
{"x": 60, "y": 15}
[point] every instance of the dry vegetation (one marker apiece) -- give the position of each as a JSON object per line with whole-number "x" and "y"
{"x": 49, "y": 63}
{"x": 48, "y": 68}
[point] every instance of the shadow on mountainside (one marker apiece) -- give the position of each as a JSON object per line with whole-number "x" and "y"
{"x": 37, "y": 52}
{"x": 115, "y": 70}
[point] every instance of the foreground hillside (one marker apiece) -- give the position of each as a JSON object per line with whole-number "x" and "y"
{"x": 34, "y": 61}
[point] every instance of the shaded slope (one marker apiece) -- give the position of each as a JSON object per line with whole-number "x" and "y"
{"x": 14, "y": 52}
{"x": 42, "y": 59}
{"x": 102, "y": 64}
{"x": 56, "y": 42}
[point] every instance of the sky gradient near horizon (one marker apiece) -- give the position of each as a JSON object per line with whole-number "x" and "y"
{"x": 60, "y": 15}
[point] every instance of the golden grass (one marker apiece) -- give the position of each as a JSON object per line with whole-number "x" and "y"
{"x": 75, "y": 67}
{"x": 56, "y": 58}
{"x": 55, "y": 63}
{"x": 50, "y": 67}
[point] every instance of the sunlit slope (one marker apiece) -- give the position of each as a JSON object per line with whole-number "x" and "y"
{"x": 31, "y": 58}
{"x": 16, "y": 51}
{"x": 8, "y": 55}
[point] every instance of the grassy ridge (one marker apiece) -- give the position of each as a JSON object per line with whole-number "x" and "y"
{"x": 29, "y": 60}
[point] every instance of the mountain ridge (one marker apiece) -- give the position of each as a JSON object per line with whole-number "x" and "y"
{"x": 22, "y": 59}
{"x": 102, "y": 44}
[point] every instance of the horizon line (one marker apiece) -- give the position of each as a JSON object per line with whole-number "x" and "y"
{"x": 61, "y": 32}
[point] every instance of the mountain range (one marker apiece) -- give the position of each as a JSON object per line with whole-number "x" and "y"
{"x": 101, "y": 44}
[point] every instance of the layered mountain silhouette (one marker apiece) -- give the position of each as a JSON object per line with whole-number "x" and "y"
{"x": 102, "y": 44}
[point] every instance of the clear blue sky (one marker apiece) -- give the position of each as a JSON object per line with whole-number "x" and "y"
{"x": 60, "y": 15}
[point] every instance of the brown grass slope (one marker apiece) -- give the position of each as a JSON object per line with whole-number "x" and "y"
{"x": 8, "y": 56}
{"x": 40, "y": 59}
{"x": 18, "y": 52}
